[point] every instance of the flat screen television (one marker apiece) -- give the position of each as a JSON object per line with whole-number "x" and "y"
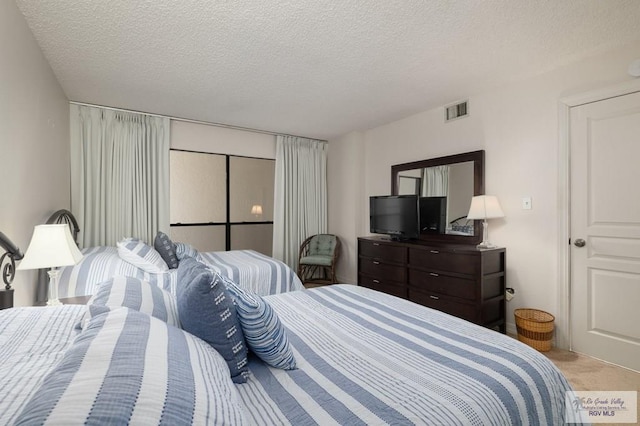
{"x": 395, "y": 215}
{"x": 433, "y": 215}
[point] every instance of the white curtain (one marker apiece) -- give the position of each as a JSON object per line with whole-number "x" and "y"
{"x": 435, "y": 181}
{"x": 119, "y": 175}
{"x": 300, "y": 195}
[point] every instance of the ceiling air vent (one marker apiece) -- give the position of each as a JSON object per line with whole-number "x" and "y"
{"x": 453, "y": 112}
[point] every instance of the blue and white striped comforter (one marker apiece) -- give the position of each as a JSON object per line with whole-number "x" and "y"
{"x": 367, "y": 358}
{"x": 363, "y": 358}
{"x": 32, "y": 341}
{"x": 251, "y": 270}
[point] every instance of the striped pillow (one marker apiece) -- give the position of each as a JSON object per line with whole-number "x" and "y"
{"x": 136, "y": 294}
{"x": 262, "y": 329}
{"x": 142, "y": 255}
{"x": 129, "y": 368}
{"x": 186, "y": 250}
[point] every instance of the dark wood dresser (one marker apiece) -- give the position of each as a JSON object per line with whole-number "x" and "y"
{"x": 458, "y": 279}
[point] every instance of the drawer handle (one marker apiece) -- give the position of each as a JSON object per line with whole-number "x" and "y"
{"x": 376, "y": 281}
{"x": 375, "y": 262}
{"x": 435, "y": 251}
{"x": 435, "y": 297}
{"x": 376, "y": 244}
{"x": 433, "y": 274}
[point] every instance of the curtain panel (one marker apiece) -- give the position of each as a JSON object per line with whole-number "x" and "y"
{"x": 300, "y": 195}
{"x": 435, "y": 181}
{"x": 119, "y": 174}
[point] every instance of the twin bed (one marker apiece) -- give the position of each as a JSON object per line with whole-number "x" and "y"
{"x": 361, "y": 357}
{"x": 258, "y": 273}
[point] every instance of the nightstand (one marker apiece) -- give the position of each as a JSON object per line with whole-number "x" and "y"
{"x": 311, "y": 284}
{"x": 77, "y": 300}
{"x": 6, "y": 299}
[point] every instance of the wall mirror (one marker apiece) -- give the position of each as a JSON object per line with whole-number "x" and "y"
{"x": 445, "y": 186}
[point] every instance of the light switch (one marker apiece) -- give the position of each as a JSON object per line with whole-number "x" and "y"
{"x": 526, "y": 203}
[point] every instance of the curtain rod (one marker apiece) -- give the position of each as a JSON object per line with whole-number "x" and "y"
{"x": 187, "y": 120}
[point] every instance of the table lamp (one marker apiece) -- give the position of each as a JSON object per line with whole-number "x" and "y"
{"x": 485, "y": 207}
{"x": 51, "y": 246}
{"x": 256, "y": 210}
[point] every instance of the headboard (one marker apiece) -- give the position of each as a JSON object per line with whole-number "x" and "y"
{"x": 65, "y": 216}
{"x": 10, "y": 253}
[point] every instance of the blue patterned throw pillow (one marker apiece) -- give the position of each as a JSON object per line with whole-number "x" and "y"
{"x": 262, "y": 329}
{"x": 206, "y": 310}
{"x": 167, "y": 249}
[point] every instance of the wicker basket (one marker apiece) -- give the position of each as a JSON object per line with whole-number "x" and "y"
{"x": 535, "y": 328}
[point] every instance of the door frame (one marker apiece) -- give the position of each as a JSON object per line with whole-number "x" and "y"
{"x": 563, "y": 324}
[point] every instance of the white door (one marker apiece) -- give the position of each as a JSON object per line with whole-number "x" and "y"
{"x": 605, "y": 217}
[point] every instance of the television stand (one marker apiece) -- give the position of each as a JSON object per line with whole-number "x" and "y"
{"x": 458, "y": 279}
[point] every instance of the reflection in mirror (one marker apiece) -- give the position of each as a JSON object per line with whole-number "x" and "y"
{"x": 448, "y": 190}
{"x": 446, "y": 186}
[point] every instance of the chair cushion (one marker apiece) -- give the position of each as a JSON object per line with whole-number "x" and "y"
{"x": 316, "y": 260}
{"x": 323, "y": 245}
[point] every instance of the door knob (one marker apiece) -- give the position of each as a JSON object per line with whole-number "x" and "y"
{"x": 579, "y": 242}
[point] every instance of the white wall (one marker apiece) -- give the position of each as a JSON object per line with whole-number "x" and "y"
{"x": 200, "y": 137}
{"x": 517, "y": 126}
{"x": 34, "y": 140}
{"x": 345, "y": 199}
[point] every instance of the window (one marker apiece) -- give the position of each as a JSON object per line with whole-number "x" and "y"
{"x": 221, "y": 202}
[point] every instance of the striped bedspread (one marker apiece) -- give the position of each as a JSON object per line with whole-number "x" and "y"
{"x": 363, "y": 358}
{"x": 251, "y": 270}
{"x": 366, "y": 358}
{"x": 32, "y": 341}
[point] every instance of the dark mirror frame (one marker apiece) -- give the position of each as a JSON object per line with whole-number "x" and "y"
{"x": 478, "y": 189}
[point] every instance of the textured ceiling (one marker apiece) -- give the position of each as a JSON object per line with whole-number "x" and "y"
{"x": 316, "y": 68}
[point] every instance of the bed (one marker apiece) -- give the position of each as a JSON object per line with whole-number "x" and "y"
{"x": 254, "y": 271}
{"x": 362, "y": 357}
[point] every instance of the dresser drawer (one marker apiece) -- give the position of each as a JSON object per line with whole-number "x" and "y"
{"x": 387, "y": 252}
{"x": 444, "y": 261}
{"x": 443, "y": 284}
{"x": 436, "y": 301}
{"x": 381, "y": 270}
{"x": 385, "y": 286}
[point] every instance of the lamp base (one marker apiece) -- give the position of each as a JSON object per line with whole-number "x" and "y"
{"x": 53, "y": 288}
{"x": 486, "y": 245}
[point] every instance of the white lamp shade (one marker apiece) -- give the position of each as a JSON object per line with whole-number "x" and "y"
{"x": 484, "y": 207}
{"x": 256, "y": 209}
{"x": 51, "y": 246}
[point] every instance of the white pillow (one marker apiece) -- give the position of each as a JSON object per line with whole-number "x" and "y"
{"x": 142, "y": 255}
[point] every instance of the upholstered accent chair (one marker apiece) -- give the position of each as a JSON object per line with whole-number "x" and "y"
{"x": 318, "y": 257}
